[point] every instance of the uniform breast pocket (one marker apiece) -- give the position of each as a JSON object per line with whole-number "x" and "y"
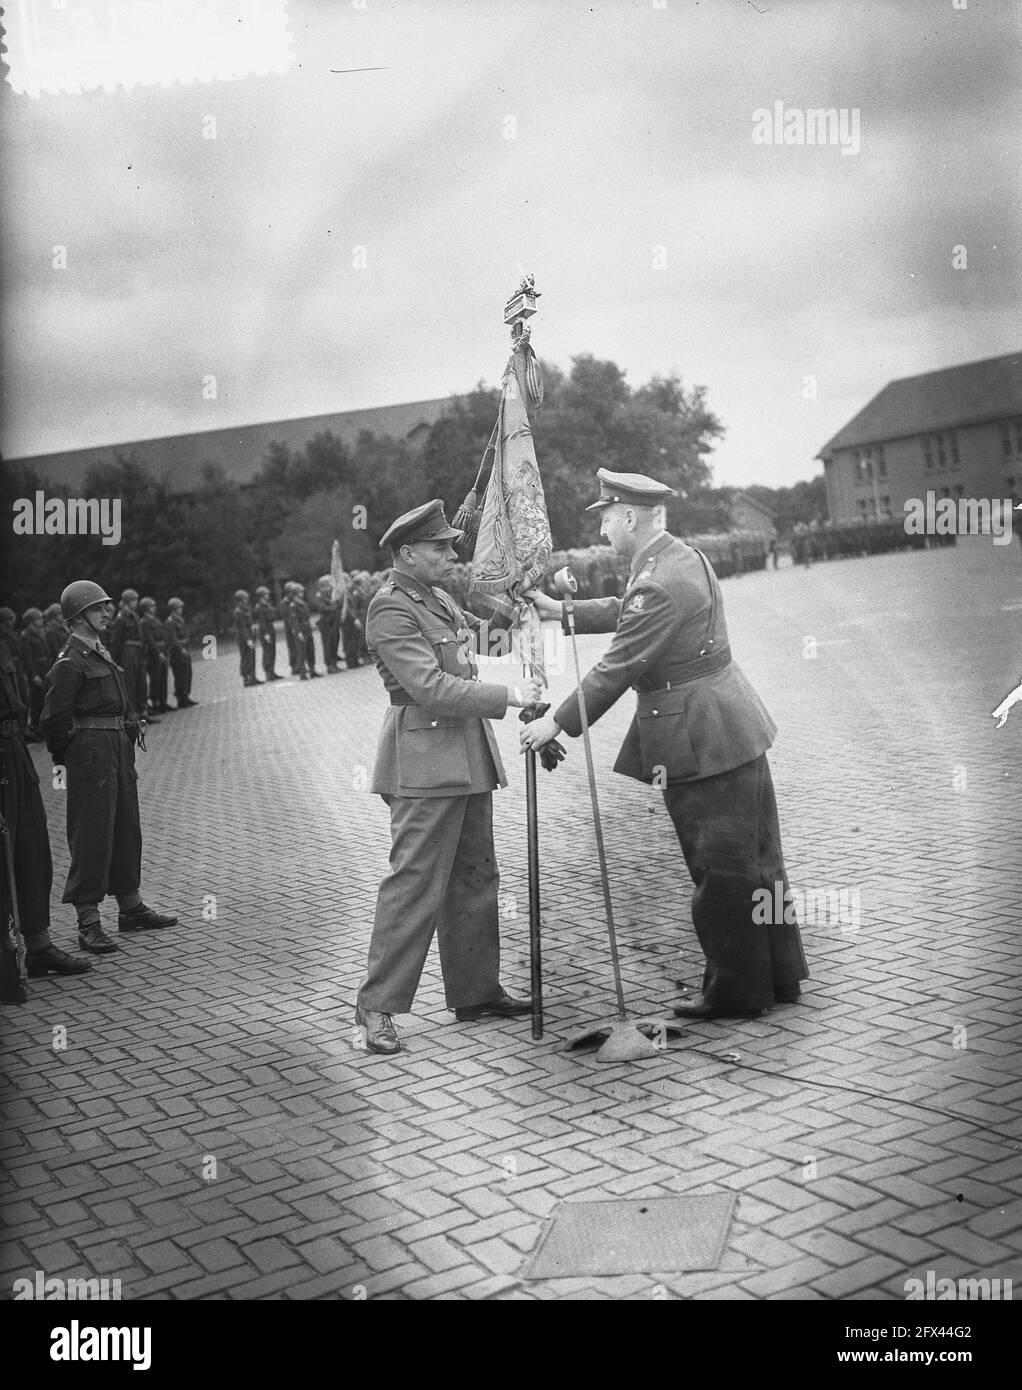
{"x": 665, "y": 742}
{"x": 431, "y": 750}
{"x": 449, "y": 654}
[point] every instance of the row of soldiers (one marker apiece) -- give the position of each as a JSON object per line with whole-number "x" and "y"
{"x": 147, "y": 647}
{"x": 341, "y": 624}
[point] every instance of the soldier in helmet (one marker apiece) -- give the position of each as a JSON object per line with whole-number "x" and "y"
{"x": 262, "y": 616}
{"x": 244, "y": 632}
{"x": 154, "y": 641}
{"x": 54, "y": 630}
{"x": 25, "y": 816}
{"x": 176, "y": 628}
{"x": 329, "y": 622}
{"x": 91, "y": 728}
{"x": 35, "y": 662}
{"x": 128, "y": 650}
{"x": 296, "y": 620}
{"x": 305, "y": 629}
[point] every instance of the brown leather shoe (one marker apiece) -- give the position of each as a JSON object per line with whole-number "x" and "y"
{"x": 380, "y": 1033}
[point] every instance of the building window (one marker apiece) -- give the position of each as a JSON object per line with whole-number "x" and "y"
{"x": 1018, "y": 436}
{"x": 955, "y": 460}
{"x": 945, "y": 492}
{"x": 885, "y": 504}
{"x": 1005, "y": 429}
{"x": 959, "y": 490}
{"x": 881, "y": 462}
{"x": 938, "y": 439}
{"x": 862, "y": 507}
{"x": 927, "y": 453}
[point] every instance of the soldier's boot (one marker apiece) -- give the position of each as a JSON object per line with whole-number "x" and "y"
{"x": 143, "y": 918}
{"x": 94, "y": 938}
{"x": 380, "y": 1033}
{"x": 52, "y": 960}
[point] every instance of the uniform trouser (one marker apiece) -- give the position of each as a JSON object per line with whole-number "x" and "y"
{"x": 292, "y": 651}
{"x": 181, "y": 665}
{"x": 329, "y": 634}
{"x": 36, "y": 696}
{"x": 310, "y": 651}
{"x": 443, "y": 878}
{"x": 156, "y": 670}
{"x": 246, "y": 658}
{"x": 731, "y": 839}
{"x": 25, "y": 814}
{"x": 351, "y": 637}
{"x": 268, "y": 642}
{"x": 133, "y": 664}
{"x": 103, "y": 830}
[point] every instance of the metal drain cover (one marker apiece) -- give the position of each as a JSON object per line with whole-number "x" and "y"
{"x": 660, "y": 1235}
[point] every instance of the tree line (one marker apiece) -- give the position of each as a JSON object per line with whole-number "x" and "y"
{"x": 203, "y": 545}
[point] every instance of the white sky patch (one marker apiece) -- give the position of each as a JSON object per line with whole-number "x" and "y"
{"x": 65, "y": 46}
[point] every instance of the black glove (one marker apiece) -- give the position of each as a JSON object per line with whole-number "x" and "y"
{"x": 551, "y": 753}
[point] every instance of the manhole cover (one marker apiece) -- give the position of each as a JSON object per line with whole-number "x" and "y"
{"x": 656, "y": 1235}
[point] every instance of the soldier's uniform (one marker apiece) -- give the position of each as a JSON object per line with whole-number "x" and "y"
{"x": 35, "y": 662}
{"x": 154, "y": 643}
{"x": 124, "y": 642}
{"x": 91, "y": 729}
{"x": 305, "y": 640}
{"x": 701, "y": 733}
{"x": 54, "y": 631}
{"x": 329, "y": 627}
{"x": 244, "y": 633}
{"x": 262, "y": 621}
{"x": 23, "y": 810}
{"x": 178, "y": 655}
{"x": 437, "y": 765}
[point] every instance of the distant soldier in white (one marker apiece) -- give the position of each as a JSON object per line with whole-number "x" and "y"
{"x": 178, "y": 655}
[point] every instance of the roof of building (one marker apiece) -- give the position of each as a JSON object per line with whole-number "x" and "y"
{"x": 751, "y": 502}
{"x": 953, "y": 396}
{"x": 239, "y": 451}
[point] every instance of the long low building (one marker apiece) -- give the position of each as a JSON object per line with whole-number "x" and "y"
{"x": 956, "y": 432}
{"x": 178, "y": 459}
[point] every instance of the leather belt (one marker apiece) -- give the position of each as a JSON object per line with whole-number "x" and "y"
{"x": 98, "y": 721}
{"x": 9, "y": 727}
{"x": 693, "y": 670}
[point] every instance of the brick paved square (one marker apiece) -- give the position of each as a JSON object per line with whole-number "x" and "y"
{"x": 427, "y": 1176}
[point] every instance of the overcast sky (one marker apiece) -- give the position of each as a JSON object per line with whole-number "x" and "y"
{"x": 233, "y": 257}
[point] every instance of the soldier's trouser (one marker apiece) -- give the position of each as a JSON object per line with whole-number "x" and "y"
{"x": 443, "y": 878}
{"x": 156, "y": 670}
{"x": 36, "y": 696}
{"x": 133, "y": 663}
{"x": 310, "y": 651}
{"x": 246, "y": 658}
{"x": 731, "y": 839}
{"x": 25, "y": 814}
{"x": 292, "y": 651}
{"x": 351, "y": 636}
{"x": 181, "y": 665}
{"x": 269, "y": 645}
{"x": 103, "y": 830}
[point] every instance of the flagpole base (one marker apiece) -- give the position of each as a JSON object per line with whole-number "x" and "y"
{"x": 625, "y": 1039}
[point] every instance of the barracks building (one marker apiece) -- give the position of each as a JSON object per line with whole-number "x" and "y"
{"x": 955, "y": 432}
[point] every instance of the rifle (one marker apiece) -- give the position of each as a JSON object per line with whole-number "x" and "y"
{"x": 13, "y": 972}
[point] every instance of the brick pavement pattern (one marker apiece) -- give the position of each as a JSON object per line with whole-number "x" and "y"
{"x": 208, "y": 1129}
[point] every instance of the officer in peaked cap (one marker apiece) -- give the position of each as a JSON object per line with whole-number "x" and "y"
{"x": 437, "y": 765}
{"x": 700, "y": 734}
{"x": 629, "y": 489}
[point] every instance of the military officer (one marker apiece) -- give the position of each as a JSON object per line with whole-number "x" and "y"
{"x": 23, "y": 810}
{"x": 178, "y": 655}
{"x": 437, "y": 765}
{"x": 262, "y": 618}
{"x": 329, "y": 623}
{"x": 35, "y": 662}
{"x": 154, "y": 643}
{"x": 245, "y": 634}
{"x": 128, "y": 650}
{"x": 700, "y": 733}
{"x": 90, "y": 728}
{"x": 305, "y": 639}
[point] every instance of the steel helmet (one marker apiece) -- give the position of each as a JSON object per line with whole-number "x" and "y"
{"x": 82, "y": 594}
{"x": 263, "y": 590}
{"x": 242, "y": 593}
{"x": 31, "y": 614}
{"x": 53, "y": 611}
{"x": 129, "y": 593}
{"x": 175, "y": 603}
{"x": 147, "y": 603}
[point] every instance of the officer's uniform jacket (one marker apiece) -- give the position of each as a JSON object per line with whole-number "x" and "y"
{"x": 81, "y": 682}
{"x": 697, "y": 715}
{"x": 436, "y": 739}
